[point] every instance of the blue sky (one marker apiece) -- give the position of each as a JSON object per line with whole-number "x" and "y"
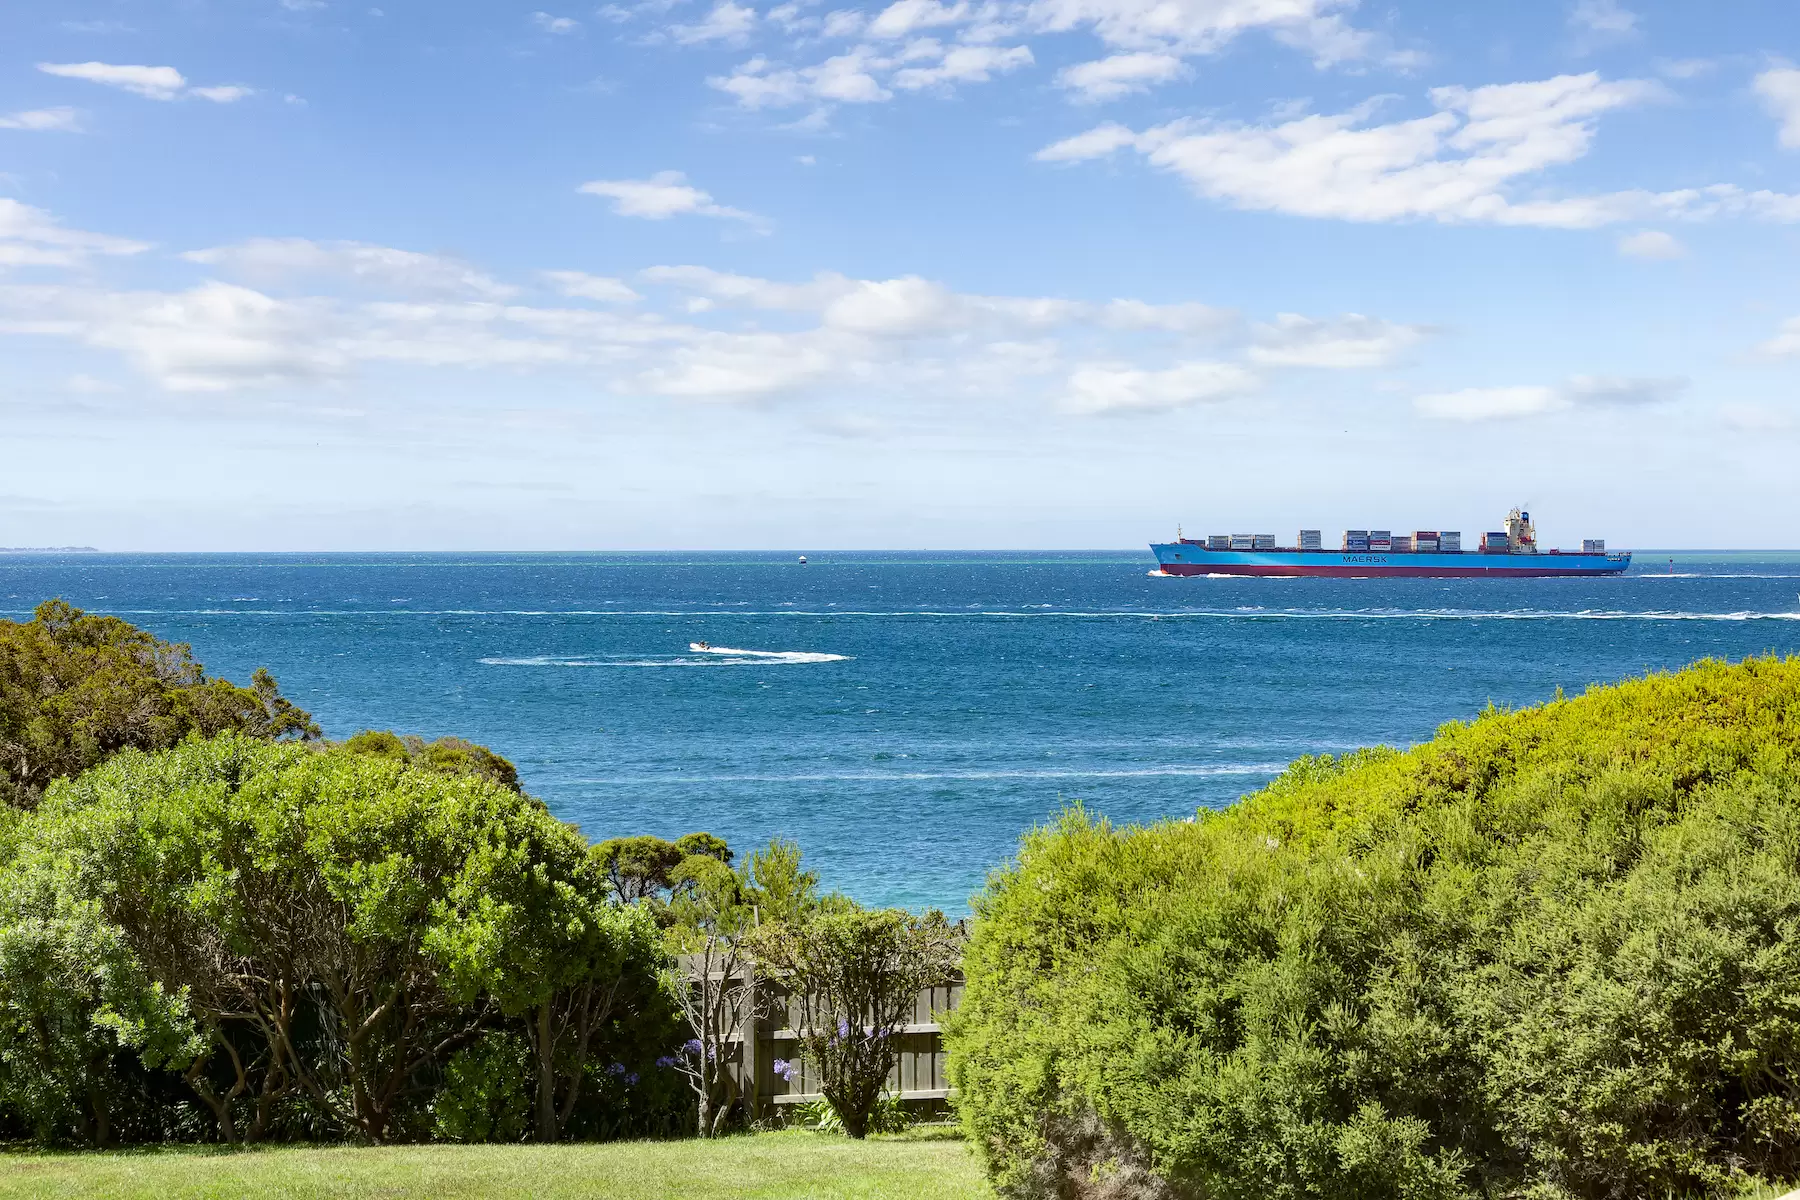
{"x": 293, "y": 274}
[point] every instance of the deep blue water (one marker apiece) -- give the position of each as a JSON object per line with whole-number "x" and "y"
{"x": 932, "y": 706}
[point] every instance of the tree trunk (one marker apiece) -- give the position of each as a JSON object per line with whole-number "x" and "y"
{"x": 546, "y": 1076}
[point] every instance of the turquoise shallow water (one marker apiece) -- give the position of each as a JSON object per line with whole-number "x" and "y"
{"x": 905, "y": 716}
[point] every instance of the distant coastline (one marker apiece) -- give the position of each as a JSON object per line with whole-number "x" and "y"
{"x": 48, "y": 550}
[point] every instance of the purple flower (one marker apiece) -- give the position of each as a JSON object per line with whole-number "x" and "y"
{"x": 631, "y": 1079}
{"x": 843, "y": 1029}
{"x": 786, "y": 1069}
{"x": 692, "y": 1046}
{"x": 616, "y": 1069}
{"x": 667, "y": 1061}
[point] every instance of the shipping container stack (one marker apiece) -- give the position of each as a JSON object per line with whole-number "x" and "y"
{"x": 1402, "y": 544}
{"x": 1381, "y": 539}
{"x": 1593, "y": 545}
{"x": 1356, "y": 539}
{"x": 1243, "y": 541}
{"x": 1425, "y": 541}
{"x": 1264, "y": 541}
{"x": 1218, "y": 541}
{"x": 1494, "y": 542}
{"x": 1311, "y": 539}
{"x": 1450, "y": 541}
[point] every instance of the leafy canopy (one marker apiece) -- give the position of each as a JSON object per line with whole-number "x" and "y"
{"x": 76, "y": 688}
{"x": 1553, "y": 952}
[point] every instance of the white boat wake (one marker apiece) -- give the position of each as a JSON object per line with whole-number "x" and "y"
{"x": 765, "y": 656}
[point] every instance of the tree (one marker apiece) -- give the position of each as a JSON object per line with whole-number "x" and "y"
{"x": 856, "y": 975}
{"x": 712, "y": 984}
{"x": 642, "y": 868}
{"x": 73, "y": 998}
{"x": 342, "y": 923}
{"x": 536, "y": 930}
{"x": 76, "y": 688}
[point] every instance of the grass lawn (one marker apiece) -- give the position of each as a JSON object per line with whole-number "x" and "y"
{"x": 766, "y": 1165}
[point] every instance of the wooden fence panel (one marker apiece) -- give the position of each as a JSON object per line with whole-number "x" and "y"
{"x": 919, "y": 1078}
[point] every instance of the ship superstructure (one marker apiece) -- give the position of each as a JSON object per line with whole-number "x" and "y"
{"x": 1382, "y": 553}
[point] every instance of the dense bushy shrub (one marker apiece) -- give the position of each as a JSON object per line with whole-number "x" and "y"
{"x": 1553, "y": 952}
{"x": 308, "y": 938}
{"x": 447, "y": 755}
{"x": 76, "y": 688}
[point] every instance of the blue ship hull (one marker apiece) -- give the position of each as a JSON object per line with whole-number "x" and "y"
{"x": 1193, "y": 558}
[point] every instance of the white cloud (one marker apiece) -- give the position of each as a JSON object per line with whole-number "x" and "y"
{"x": 1780, "y": 92}
{"x": 1786, "y": 341}
{"x": 695, "y": 334}
{"x": 1509, "y": 403}
{"x": 1097, "y": 142}
{"x": 1350, "y": 341}
{"x": 1603, "y": 19}
{"x": 1120, "y": 75}
{"x": 1490, "y": 404}
{"x": 274, "y": 260}
{"x": 741, "y": 367}
{"x": 158, "y": 83}
{"x": 907, "y": 307}
{"x": 212, "y": 338}
{"x": 964, "y": 64}
{"x": 223, "y": 94}
{"x": 663, "y": 195}
{"x": 842, "y": 79}
{"x": 727, "y": 22}
{"x": 603, "y": 288}
{"x": 1191, "y": 27}
{"x": 32, "y": 237}
{"x": 1651, "y": 243}
{"x": 554, "y": 24}
{"x": 1456, "y": 165}
{"x": 904, "y": 17}
{"x": 1115, "y": 388}
{"x": 41, "y": 119}
{"x": 1189, "y": 319}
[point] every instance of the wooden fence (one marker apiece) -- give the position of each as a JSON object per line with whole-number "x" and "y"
{"x": 918, "y": 1079}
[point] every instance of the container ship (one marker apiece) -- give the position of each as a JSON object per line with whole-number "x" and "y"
{"x": 1381, "y": 553}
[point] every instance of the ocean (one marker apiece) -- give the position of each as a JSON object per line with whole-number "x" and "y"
{"x": 905, "y": 716}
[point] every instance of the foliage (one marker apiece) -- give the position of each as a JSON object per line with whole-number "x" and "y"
{"x": 1553, "y": 952}
{"x": 855, "y": 976}
{"x": 334, "y": 925}
{"x": 711, "y": 985}
{"x": 76, "y": 688}
{"x": 712, "y": 911}
{"x": 890, "y": 1115}
{"x": 487, "y": 1091}
{"x": 643, "y": 868}
{"x": 447, "y": 755}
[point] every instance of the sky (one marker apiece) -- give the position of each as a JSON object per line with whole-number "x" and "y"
{"x": 316, "y": 274}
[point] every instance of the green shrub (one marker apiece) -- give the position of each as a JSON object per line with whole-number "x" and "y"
{"x": 306, "y": 937}
{"x": 486, "y": 1093}
{"x": 76, "y": 688}
{"x": 1554, "y": 951}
